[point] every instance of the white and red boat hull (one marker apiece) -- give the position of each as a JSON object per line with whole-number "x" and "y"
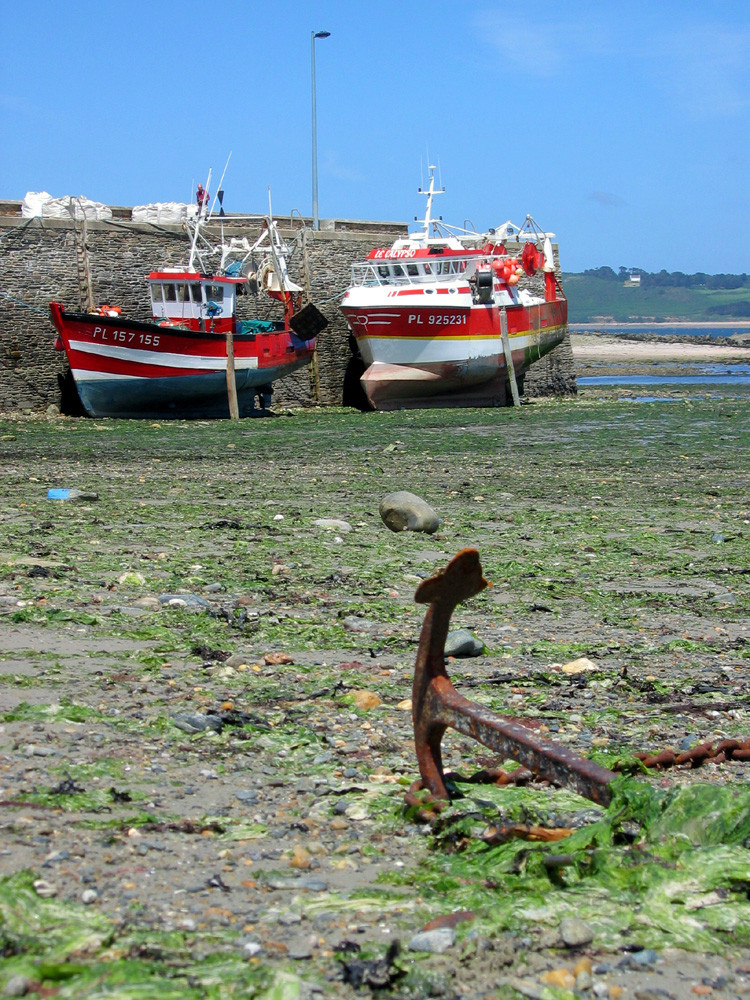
{"x": 127, "y": 368}
{"x": 448, "y": 352}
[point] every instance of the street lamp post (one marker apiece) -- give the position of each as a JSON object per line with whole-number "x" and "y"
{"x": 313, "y": 36}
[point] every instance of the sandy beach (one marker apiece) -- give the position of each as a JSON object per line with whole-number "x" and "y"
{"x": 603, "y": 348}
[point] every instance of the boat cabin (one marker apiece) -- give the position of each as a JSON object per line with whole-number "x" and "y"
{"x": 187, "y": 298}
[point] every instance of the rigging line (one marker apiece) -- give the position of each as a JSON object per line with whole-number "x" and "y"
{"x": 147, "y": 227}
{"x": 336, "y": 295}
{"x": 20, "y": 302}
{"x": 16, "y": 229}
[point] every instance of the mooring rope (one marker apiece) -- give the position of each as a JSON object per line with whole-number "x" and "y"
{"x": 15, "y": 229}
{"x": 27, "y": 305}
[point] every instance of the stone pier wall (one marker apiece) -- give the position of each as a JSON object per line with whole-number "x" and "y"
{"x": 38, "y": 264}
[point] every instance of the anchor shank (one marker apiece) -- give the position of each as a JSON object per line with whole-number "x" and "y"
{"x": 437, "y": 706}
{"x": 513, "y": 741}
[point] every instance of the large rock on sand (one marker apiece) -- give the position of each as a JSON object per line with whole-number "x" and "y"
{"x": 402, "y": 511}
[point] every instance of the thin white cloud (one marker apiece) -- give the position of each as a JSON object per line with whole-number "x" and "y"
{"x": 696, "y": 60}
{"x": 342, "y": 171}
{"x": 543, "y": 47}
{"x": 705, "y": 72}
{"x": 607, "y": 198}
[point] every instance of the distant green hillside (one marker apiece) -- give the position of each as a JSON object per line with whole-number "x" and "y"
{"x": 603, "y": 294}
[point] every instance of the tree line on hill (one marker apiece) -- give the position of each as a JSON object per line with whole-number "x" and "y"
{"x": 631, "y": 293}
{"x": 670, "y": 279}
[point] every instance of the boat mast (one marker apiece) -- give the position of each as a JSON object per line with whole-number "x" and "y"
{"x": 430, "y": 195}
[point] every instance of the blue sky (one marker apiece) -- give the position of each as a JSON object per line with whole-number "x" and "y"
{"x": 621, "y": 126}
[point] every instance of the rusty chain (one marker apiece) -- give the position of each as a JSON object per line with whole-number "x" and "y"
{"x": 718, "y": 754}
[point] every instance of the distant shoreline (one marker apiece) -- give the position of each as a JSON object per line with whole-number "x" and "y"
{"x": 607, "y": 325}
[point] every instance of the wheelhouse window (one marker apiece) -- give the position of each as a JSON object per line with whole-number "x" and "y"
{"x": 182, "y": 293}
{"x": 215, "y": 293}
{"x": 156, "y": 295}
{"x": 170, "y": 293}
{"x": 196, "y": 292}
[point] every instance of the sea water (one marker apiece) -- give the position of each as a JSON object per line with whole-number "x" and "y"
{"x": 662, "y": 329}
{"x": 696, "y": 373}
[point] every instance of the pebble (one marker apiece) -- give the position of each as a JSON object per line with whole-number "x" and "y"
{"x": 365, "y": 700}
{"x": 246, "y": 795}
{"x": 89, "y": 896}
{"x": 56, "y": 856}
{"x": 311, "y": 884}
{"x": 17, "y": 986}
{"x": 356, "y": 811}
{"x": 34, "y": 750}
{"x": 195, "y": 722}
{"x": 353, "y": 623}
{"x": 403, "y": 511}
{"x": 647, "y": 956}
{"x": 725, "y": 599}
{"x": 435, "y": 942}
{"x": 580, "y": 666}
{"x": 44, "y": 889}
{"x": 462, "y": 643}
{"x": 251, "y": 948}
{"x": 239, "y": 660}
{"x": 300, "y": 949}
{"x": 575, "y": 932}
{"x": 193, "y": 602}
{"x": 333, "y": 524}
{"x": 583, "y": 981}
{"x": 147, "y": 603}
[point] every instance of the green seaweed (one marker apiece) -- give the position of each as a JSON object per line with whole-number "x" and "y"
{"x": 682, "y": 882}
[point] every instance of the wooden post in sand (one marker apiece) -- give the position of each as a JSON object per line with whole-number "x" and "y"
{"x": 509, "y": 358}
{"x": 234, "y": 413}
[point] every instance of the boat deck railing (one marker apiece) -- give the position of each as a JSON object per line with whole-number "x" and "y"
{"x": 422, "y": 272}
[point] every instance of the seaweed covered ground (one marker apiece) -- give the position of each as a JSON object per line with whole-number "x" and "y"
{"x": 205, "y": 728}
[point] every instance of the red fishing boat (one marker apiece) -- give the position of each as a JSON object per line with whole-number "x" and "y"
{"x": 195, "y": 357}
{"x": 453, "y": 317}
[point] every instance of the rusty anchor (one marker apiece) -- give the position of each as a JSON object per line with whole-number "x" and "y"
{"x": 437, "y": 706}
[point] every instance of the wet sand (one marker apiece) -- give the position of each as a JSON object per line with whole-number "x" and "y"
{"x": 609, "y": 348}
